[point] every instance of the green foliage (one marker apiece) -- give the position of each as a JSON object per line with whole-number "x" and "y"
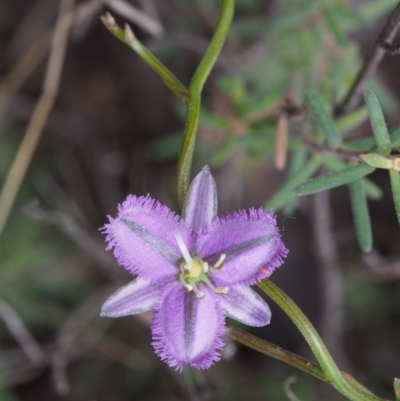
{"x": 378, "y": 123}
{"x": 395, "y": 181}
{"x": 361, "y": 215}
{"x": 323, "y": 119}
{"x": 332, "y": 180}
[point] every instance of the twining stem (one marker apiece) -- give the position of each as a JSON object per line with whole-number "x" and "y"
{"x": 285, "y": 356}
{"x": 276, "y": 352}
{"x": 195, "y": 89}
{"x": 331, "y": 371}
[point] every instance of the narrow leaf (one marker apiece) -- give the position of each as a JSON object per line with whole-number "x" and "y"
{"x": 333, "y": 180}
{"x": 377, "y": 161}
{"x": 395, "y": 180}
{"x": 360, "y": 145}
{"x": 361, "y": 215}
{"x": 286, "y": 191}
{"x": 336, "y": 164}
{"x": 372, "y": 190}
{"x": 351, "y": 120}
{"x": 395, "y": 137}
{"x": 323, "y": 119}
{"x": 378, "y": 123}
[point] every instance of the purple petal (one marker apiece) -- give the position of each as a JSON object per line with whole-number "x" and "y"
{"x": 246, "y": 306}
{"x": 200, "y": 208}
{"x": 143, "y": 238}
{"x": 188, "y": 330}
{"x": 136, "y": 297}
{"x": 251, "y": 242}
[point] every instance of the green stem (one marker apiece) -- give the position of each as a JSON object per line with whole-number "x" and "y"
{"x": 331, "y": 371}
{"x": 285, "y": 356}
{"x": 275, "y": 352}
{"x": 195, "y": 89}
{"x": 128, "y": 37}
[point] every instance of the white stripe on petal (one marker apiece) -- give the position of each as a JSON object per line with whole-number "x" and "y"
{"x": 243, "y": 304}
{"x": 136, "y": 297}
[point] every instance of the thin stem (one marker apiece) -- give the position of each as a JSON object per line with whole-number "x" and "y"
{"x": 127, "y": 36}
{"x": 381, "y": 46}
{"x": 195, "y": 89}
{"x": 276, "y": 352}
{"x": 285, "y": 356}
{"x": 39, "y": 117}
{"x": 331, "y": 371}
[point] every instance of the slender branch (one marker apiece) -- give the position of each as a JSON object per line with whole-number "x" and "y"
{"x": 382, "y": 45}
{"x": 276, "y": 352}
{"x": 45, "y": 104}
{"x": 21, "y": 333}
{"x": 30, "y": 60}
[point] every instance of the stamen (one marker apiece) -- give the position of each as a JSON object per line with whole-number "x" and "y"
{"x": 221, "y": 290}
{"x": 198, "y": 293}
{"x": 206, "y": 267}
{"x": 220, "y": 262}
{"x": 182, "y": 247}
{"x": 217, "y": 290}
{"x": 186, "y": 286}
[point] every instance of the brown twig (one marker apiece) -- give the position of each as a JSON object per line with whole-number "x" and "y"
{"x": 21, "y": 334}
{"x": 86, "y": 241}
{"x": 41, "y": 113}
{"x": 30, "y": 60}
{"x": 383, "y": 44}
{"x": 66, "y": 348}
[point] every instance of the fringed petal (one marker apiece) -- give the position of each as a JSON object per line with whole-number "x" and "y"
{"x": 186, "y": 329}
{"x": 143, "y": 238}
{"x": 136, "y": 297}
{"x": 200, "y": 208}
{"x": 251, "y": 242}
{"x": 246, "y": 306}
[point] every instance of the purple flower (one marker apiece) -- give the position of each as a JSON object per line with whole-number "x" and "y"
{"x": 192, "y": 271}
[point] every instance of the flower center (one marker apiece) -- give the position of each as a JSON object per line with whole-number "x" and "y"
{"x": 194, "y": 270}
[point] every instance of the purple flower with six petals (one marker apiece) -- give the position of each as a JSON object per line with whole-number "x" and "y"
{"x": 192, "y": 271}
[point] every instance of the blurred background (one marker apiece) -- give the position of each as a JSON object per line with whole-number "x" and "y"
{"x": 111, "y": 128}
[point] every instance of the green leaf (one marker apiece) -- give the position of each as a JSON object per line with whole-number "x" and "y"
{"x": 378, "y": 123}
{"x": 360, "y": 145}
{"x": 351, "y": 120}
{"x": 377, "y": 161}
{"x": 323, "y": 119}
{"x": 372, "y": 190}
{"x": 336, "y": 164}
{"x": 369, "y": 144}
{"x": 395, "y": 137}
{"x": 285, "y": 193}
{"x": 395, "y": 180}
{"x": 396, "y": 386}
{"x": 333, "y": 180}
{"x": 333, "y": 22}
{"x": 361, "y": 215}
